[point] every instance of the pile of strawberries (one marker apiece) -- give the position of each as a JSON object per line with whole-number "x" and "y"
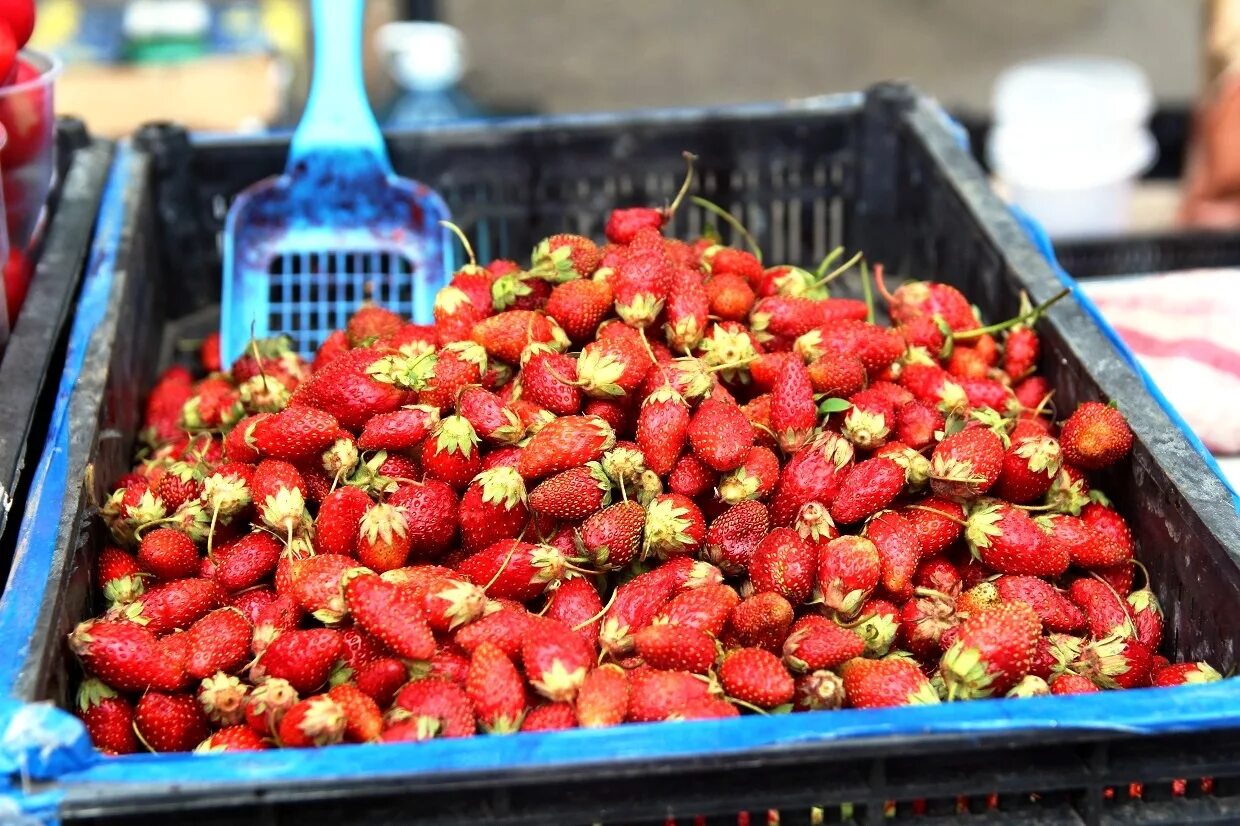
{"x": 652, "y": 480}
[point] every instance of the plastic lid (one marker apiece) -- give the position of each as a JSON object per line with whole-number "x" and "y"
{"x": 1076, "y": 90}
{"x": 146, "y": 19}
{"x": 422, "y": 56}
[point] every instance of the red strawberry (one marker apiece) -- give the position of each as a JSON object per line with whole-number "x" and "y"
{"x": 730, "y": 297}
{"x": 816, "y": 642}
{"x": 223, "y": 698}
{"x": 267, "y": 703}
{"x": 867, "y": 488}
{"x": 390, "y": 613}
{"x": 757, "y": 677}
{"x": 555, "y": 660}
{"x": 355, "y": 386}
{"x": 506, "y": 334}
{"x": 107, "y": 716}
{"x": 514, "y": 569}
{"x": 992, "y": 652}
{"x": 316, "y": 583}
{"x": 1072, "y": 684}
{"x": 706, "y": 609}
{"x": 339, "y": 519}
{"x": 794, "y": 415}
{"x": 1110, "y": 524}
{"x": 967, "y": 464}
{"x": 917, "y": 423}
{"x": 754, "y": 479}
{"x": 577, "y": 604}
{"x": 1116, "y": 661}
{"x": 1029, "y": 467}
{"x": 1095, "y": 436}
{"x": 448, "y": 602}
{"x": 848, "y": 570}
{"x": 493, "y": 508}
{"x": 814, "y": 524}
{"x": 496, "y": 690}
{"x": 1054, "y": 609}
{"x": 687, "y": 312}
{"x": 662, "y": 429}
{"x": 1006, "y": 540}
{"x": 168, "y": 554}
{"x": 548, "y": 380}
{"x": 398, "y": 430}
{"x": 734, "y": 535}
{"x": 1177, "y": 674}
{"x": 564, "y": 443}
{"x": 506, "y": 628}
{"x": 690, "y": 477}
{"x": 936, "y": 522}
{"x": 720, "y": 435}
{"x": 674, "y": 526}
{"x": 657, "y": 695}
{"x": 1086, "y": 548}
{"x": 372, "y": 323}
{"x": 836, "y": 375}
{"x": 491, "y": 419}
{"x": 1147, "y": 617}
{"x": 633, "y": 607}
{"x": 456, "y": 365}
{"x": 1021, "y": 350}
{"x": 572, "y": 494}
{"x": 248, "y": 561}
{"x": 578, "y": 307}
{"x": 220, "y": 642}
{"x": 886, "y": 683}
{"x": 642, "y": 280}
{"x": 613, "y": 367}
{"x": 565, "y": 257}
{"x": 175, "y": 604}
{"x": 603, "y": 699}
{"x": 899, "y": 551}
{"x": 451, "y": 453}
{"x": 232, "y": 738}
{"x": 296, "y": 432}
{"x": 550, "y": 717}
{"x": 381, "y": 679}
{"x": 763, "y": 620}
{"x": 814, "y": 473}
{"x": 430, "y": 514}
{"x": 444, "y": 707}
{"x": 676, "y": 648}
{"x": 786, "y": 564}
{"x": 119, "y": 576}
{"x": 303, "y": 658}
{"x": 876, "y": 347}
{"x": 363, "y": 720}
{"x": 315, "y": 721}
{"x": 1106, "y": 613}
{"x": 169, "y": 722}
{"x": 383, "y": 541}
{"x": 915, "y": 299}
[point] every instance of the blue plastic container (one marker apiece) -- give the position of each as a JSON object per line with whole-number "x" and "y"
{"x": 880, "y": 172}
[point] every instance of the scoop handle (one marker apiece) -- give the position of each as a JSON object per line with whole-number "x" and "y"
{"x": 337, "y": 117}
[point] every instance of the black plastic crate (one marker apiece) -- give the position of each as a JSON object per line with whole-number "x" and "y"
{"x": 879, "y": 172}
{"x": 1150, "y": 253}
{"x": 36, "y": 344}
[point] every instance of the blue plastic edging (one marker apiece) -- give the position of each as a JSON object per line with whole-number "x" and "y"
{"x": 44, "y": 742}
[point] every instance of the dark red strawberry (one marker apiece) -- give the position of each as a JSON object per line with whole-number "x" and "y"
{"x": 169, "y": 722}
{"x": 578, "y": 307}
{"x": 1007, "y": 540}
{"x": 816, "y": 642}
{"x": 1030, "y": 465}
{"x": 762, "y": 620}
{"x": 496, "y": 690}
{"x": 391, "y": 614}
{"x": 108, "y": 717}
{"x": 899, "y": 552}
{"x": 556, "y": 660}
{"x": 1054, "y": 609}
{"x": 785, "y": 563}
{"x": 577, "y": 604}
{"x": 514, "y": 569}
{"x": 814, "y": 473}
{"x": 400, "y": 429}
{"x": 734, "y": 535}
{"x": 676, "y": 648}
{"x": 794, "y": 416}
{"x": 868, "y": 487}
{"x": 662, "y": 429}
{"x": 757, "y": 677}
{"x": 168, "y": 554}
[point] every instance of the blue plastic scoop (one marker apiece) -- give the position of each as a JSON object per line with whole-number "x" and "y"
{"x": 303, "y": 251}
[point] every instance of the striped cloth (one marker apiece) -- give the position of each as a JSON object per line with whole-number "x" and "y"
{"x": 1185, "y": 329}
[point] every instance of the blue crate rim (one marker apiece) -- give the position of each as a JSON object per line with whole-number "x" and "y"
{"x": 40, "y": 741}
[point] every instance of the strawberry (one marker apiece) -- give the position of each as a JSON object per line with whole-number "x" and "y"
{"x": 506, "y": 334}
{"x": 505, "y": 628}
{"x": 1175, "y": 674}
{"x": 642, "y": 280}
{"x": 1110, "y": 524}
{"x": 220, "y": 642}
{"x": 390, "y": 613}
{"x": 578, "y": 307}
{"x": 623, "y": 225}
{"x": 763, "y": 620}
{"x": 451, "y": 453}
{"x": 816, "y": 642}
{"x": 848, "y": 570}
{"x": 448, "y": 602}
{"x": 572, "y": 494}
{"x": 313, "y": 722}
{"x": 916, "y": 299}
{"x": 564, "y": 443}
{"x": 339, "y": 520}
{"x": 1106, "y": 613}
{"x": 868, "y": 487}
{"x": 734, "y": 535}
{"x": 674, "y": 526}
{"x": 249, "y": 561}
{"x": 1116, "y": 661}
{"x": 108, "y": 717}
{"x": 456, "y": 365}
{"x": 794, "y": 415}
{"x": 371, "y": 323}
{"x": 754, "y": 479}
{"x": 400, "y": 429}
{"x": 493, "y": 508}
{"x": 924, "y": 620}
{"x": 381, "y": 679}
{"x": 1054, "y": 609}
{"x": 491, "y": 419}
{"x": 690, "y": 477}
{"x": 430, "y": 512}
{"x": 662, "y": 429}
{"x": 223, "y": 699}
{"x": 1147, "y": 617}
{"x": 496, "y": 690}
{"x": 789, "y": 316}
{"x": 836, "y": 374}
{"x": 876, "y": 347}
{"x": 633, "y": 606}
{"x": 1095, "y": 436}
{"x": 267, "y": 703}
{"x": 814, "y": 524}
{"x": 706, "y": 608}
{"x": 1072, "y": 684}
{"x": 687, "y": 312}
{"x": 550, "y": 717}
{"x": 720, "y": 435}
{"x": 549, "y": 380}
{"x": 612, "y": 367}
{"x": 169, "y": 722}
{"x": 1086, "y": 547}
{"x": 355, "y": 386}
{"x": 363, "y": 720}
{"x": 316, "y": 583}
{"x": 576, "y": 603}
{"x": 886, "y": 683}
{"x": 168, "y": 554}
{"x": 757, "y": 677}
{"x": 603, "y": 699}
{"x": 966, "y": 464}
{"x": 1006, "y": 540}
{"x": 730, "y": 297}
{"x": 383, "y": 541}
{"x": 120, "y": 577}
{"x": 658, "y": 695}
{"x": 1021, "y": 350}
{"x": 296, "y": 432}
{"x": 818, "y": 691}
{"x": 786, "y": 564}
{"x": 555, "y": 660}
{"x": 1030, "y": 465}
{"x": 232, "y": 738}
{"x": 916, "y": 424}
{"x": 936, "y": 522}
{"x": 181, "y": 482}
{"x": 899, "y": 551}
{"x": 174, "y": 605}
{"x": 514, "y": 569}
{"x": 303, "y": 658}
{"x": 814, "y": 473}
{"x": 565, "y": 257}
{"x": 992, "y": 652}
{"x": 675, "y": 647}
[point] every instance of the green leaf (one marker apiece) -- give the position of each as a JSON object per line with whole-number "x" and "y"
{"x": 829, "y": 406}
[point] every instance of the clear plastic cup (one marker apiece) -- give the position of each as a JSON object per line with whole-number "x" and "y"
{"x": 28, "y": 159}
